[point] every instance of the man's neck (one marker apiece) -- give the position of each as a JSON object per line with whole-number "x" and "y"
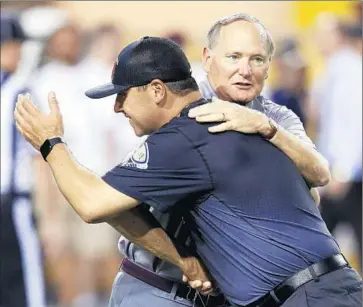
{"x": 178, "y": 104}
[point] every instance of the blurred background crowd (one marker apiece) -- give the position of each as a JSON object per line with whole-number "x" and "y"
{"x": 69, "y": 47}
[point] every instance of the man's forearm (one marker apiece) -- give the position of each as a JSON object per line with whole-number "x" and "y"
{"x": 140, "y": 227}
{"x": 85, "y": 191}
{"x": 312, "y": 165}
{"x": 78, "y": 184}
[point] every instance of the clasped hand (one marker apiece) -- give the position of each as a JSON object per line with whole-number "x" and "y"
{"x": 231, "y": 115}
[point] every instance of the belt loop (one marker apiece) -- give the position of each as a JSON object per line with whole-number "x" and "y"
{"x": 313, "y": 273}
{"x": 276, "y": 299}
{"x": 122, "y": 262}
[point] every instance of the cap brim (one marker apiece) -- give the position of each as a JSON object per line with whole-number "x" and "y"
{"x": 105, "y": 90}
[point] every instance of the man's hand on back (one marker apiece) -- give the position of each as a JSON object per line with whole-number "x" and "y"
{"x": 196, "y": 275}
{"x": 232, "y": 117}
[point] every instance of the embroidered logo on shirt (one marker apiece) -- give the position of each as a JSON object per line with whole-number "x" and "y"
{"x": 138, "y": 158}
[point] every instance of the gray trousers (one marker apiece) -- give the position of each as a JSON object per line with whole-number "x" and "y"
{"x": 128, "y": 291}
{"x": 341, "y": 288}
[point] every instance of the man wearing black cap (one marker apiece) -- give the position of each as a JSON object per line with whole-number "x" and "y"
{"x": 21, "y": 273}
{"x": 181, "y": 166}
{"x": 182, "y": 88}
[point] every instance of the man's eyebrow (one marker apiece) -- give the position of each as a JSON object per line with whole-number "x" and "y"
{"x": 254, "y": 54}
{"x": 234, "y": 52}
{"x": 259, "y": 54}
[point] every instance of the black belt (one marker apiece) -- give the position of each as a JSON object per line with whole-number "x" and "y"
{"x": 167, "y": 285}
{"x": 283, "y": 291}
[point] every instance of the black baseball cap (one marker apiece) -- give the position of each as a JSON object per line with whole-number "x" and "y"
{"x": 141, "y": 62}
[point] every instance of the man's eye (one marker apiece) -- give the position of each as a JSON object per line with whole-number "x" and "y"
{"x": 258, "y": 61}
{"x": 232, "y": 57}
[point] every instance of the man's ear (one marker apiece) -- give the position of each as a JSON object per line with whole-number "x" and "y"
{"x": 157, "y": 90}
{"x": 268, "y": 68}
{"x": 206, "y": 59}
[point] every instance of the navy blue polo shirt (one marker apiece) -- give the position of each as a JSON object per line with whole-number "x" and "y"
{"x": 252, "y": 218}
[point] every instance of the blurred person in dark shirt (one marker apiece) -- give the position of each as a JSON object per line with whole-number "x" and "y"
{"x": 291, "y": 78}
{"x": 21, "y": 267}
{"x": 181, "y": 39}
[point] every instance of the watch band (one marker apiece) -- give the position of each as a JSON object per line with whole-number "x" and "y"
{"x": 274, "y": 129}
{"x": 48, "y": 145}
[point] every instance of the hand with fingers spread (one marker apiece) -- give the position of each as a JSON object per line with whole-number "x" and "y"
{"x": 196, "y": 275}
{"x": 232, "y": 117}
{"x": 36, "y": 126}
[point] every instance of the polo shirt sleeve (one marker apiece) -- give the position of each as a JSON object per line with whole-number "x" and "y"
{"x": 289, "y": 121}
{"x": 162, "y": 172}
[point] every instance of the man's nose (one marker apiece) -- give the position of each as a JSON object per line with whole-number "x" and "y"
{"x": 244, "y": 68}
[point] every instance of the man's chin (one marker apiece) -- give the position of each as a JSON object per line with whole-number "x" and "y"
{"x": 242, "y": 96}
{"x": 140, "y": 133}
{"x": 242, "y": 99}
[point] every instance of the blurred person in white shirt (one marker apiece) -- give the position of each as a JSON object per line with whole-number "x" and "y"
{"x": 76, "y": 252}
{"x": 104, "y": 47}
{"x": 337, "y": 110}
{"x": 105, "y": 141}
{"x": 58, "y": 71}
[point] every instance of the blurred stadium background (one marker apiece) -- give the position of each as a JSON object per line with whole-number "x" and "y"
{"x": 71, "y": 46}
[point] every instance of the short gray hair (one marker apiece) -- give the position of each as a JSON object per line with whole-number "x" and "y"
{"x": 213, "y": 32}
